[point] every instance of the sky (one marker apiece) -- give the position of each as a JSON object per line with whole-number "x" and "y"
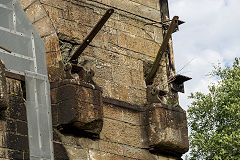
{"x": 211, "y": 35}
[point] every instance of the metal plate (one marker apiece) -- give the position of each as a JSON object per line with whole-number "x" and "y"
{"x": 27, "y": 58}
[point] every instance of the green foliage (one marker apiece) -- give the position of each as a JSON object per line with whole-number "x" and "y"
{"x": 214, "y": 118}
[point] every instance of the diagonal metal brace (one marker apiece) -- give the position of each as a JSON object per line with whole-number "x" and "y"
{"x": 92, "y": 34}
{"x": 171, "y": 29}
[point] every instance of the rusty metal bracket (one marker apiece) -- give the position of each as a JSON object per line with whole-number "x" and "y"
{"x": 171, "y": 29}
{"x": 92, "y": 34}
{"x": 15, "y": 76}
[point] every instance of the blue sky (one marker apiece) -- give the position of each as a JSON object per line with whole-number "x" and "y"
{"x": 211, "y": 35}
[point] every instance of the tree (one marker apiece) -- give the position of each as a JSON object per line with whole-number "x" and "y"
{"x": 214, "y": 118}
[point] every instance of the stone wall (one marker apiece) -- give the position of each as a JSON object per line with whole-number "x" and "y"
{"x": 13, "y": 124}
{"x": 119, "y": 55}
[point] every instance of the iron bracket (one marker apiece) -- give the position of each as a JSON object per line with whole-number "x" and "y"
{"x": 172, "y": 28}
{"x": 15, "y": 76}
{"x": 90, "y": 37}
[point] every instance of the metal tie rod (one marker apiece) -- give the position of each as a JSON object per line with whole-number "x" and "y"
{"x": 162, "y": 49}
{"x": 92, "y": 34}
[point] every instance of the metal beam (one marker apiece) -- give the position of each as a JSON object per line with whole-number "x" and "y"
{"x": 92, "y": 34}
{"x": 162, "y": 49}
{"x": 14, "y": 76}
{"x": 5, "y": 49}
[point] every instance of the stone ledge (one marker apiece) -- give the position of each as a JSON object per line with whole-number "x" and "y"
{"x": 167, "y": 129}
{"x": 123, "y": 104}
{"x": 168, "y": 107}
{"x": 77, "y": 107}
{"x": 74, "y": 82}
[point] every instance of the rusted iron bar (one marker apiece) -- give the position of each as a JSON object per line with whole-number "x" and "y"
{"x": 92, "y": 34}
{"x": 14, "y": 76}
{"x": 5, "y": 49}
{"x": 171, "y": 29}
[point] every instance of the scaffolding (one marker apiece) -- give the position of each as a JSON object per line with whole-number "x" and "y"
{"x": 23, "y": 53}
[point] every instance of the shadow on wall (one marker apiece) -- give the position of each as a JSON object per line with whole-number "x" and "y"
{"x": 59, "y": 150}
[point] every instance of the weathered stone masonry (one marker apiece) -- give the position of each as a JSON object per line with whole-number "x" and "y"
{"x": 13, "y": 120}
{"x": 131, "y": 128}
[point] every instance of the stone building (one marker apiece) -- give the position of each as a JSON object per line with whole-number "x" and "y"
{"x": 102, "y": 107}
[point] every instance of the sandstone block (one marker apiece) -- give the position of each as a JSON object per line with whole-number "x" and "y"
{"x": 106, "y": 86}
{"x": 55, "y": 3}
{"x": 133, "y": 30}
{"x": 110, "y": 147}
{"x": 149, "y": 3}
{"x": 159, "y": 157}
{"x": 158, "y": 36}
{"x": 103, "y": 71}
{"x": 79, "y": 105}
{"x": 109, "y": 131}
{"x": 132, "y": 117}
{"x": 71, "y": 29}
{"x": 113, "y": 23}
{"x": 79, "y": 91}
{"x": 25, "y": 3}
{"x": 137, "y": 153}
{"x": 120, "y": 132}
{"x": 137, "y": 78}
{"x": 79, "y": 14}
{"x": 112, "y": 112}
{"x": 122, "y": 75}
{"x": 121, "y": 92}
{"x": 87, "y": 143}
{"x": 35, "y": 12}
{"x": 136, "y": 8}
{"x": 55, "y": 73}
{"x": 53, "y": 13}
{"x": 66, "y": 139}
{"x": 51, "y": 43}
{"x": 44, "y": 26}
{"x": 76, "y": 153}
{"x": 54, "y": 65}
{"x": 132, "y": 21}
{"x": 104, "y": 55}
{"x": 167, "y": 129}
{"x": 149, "y": 35}
{"x": 103, "y": 38}
{"x": 138, "y": 96}
{"x": 131, "y": 135}
{"x": 94, "y": 154}
{"x": 53, "y": 58}
{"x": 2, "y": 138}
{"x": 121, "y": 114}
{"x": 138, "y": 44}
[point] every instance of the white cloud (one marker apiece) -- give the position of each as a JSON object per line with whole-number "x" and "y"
{"x": 210, "y": 36}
